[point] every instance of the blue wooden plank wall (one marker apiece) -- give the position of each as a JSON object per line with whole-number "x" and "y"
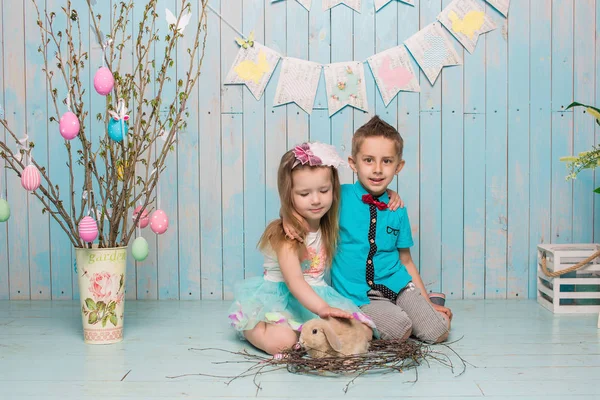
{"x": 483, "y": 182}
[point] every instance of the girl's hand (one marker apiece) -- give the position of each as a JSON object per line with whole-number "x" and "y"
{"x": 289, "y": 230}
{"x": 443, "y": 310}
{"x": 395, "y": 200}
{"x": 334, "y": 312}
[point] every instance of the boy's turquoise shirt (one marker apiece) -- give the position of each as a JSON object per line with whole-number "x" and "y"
{"x": 348, "y": 273}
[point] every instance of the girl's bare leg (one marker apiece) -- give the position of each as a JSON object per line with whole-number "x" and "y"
{"x": 271, "y": 338}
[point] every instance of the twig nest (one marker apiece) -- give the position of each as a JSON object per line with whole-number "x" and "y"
{"x": 117, "y": 129}
{"x": 88, "y": 229}
{"x": 139, "y": 249}
{"x": 144, "y": 219}
{"x": 69, "y": 125}
{"x": 30, "y": 178}
{"x": 159, "y": 222}
{"x": 4, "y": 210}
{"x": 103, "y": 81}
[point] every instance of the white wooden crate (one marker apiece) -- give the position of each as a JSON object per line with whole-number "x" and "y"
{"x": 575, "y": 292}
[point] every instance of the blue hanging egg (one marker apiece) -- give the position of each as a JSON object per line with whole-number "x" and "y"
{"x": 115, "y": 132}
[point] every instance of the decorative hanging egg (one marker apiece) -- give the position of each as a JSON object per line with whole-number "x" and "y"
{"x": 69, "y": 125}
{"x": 30, "y": 178}
{"x": 139, "y": 249}
{"x": 144, "y": 219}
{"x": 115, "y": 131}
{"x": 103, "y": 81}
{"x": 4, "y": 210}
{"x": 88, "y": 229}
{"x": 159, "y": 222}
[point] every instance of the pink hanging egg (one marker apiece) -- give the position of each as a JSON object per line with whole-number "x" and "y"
{"x": 103, "y": 81}
{"x": 69, "y": 125}
{"x": 144, "y": 219}
{"x": 88, "y": 229}
{"x": 30, "y": 178}
{"x": 159, "y": 222}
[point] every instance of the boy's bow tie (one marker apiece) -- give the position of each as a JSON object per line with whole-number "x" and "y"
{"x": 368, "y": 199}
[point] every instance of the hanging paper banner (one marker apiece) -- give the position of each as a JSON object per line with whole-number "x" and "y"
{"x": 466, "y": 20}
{"x": 305, "y": 3}
{"x": 500, "y": 5}
{"x": 393, "y": 72}
{"x": 380, "y": 3}
{"x": 354, "y": 4}
{"x": 298, "y": 82}
{"x": 433, "y": 50}
{"x": 345, "y": 84}
{"x": 253, "y": 67}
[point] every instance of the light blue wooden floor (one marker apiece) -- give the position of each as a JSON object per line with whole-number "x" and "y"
{"x": 519, "y": 349}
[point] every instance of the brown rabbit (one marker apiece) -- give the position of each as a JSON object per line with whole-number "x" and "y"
{"x": 331, "y": 337}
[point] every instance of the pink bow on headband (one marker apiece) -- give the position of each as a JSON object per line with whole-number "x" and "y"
{"x": 305, "y": 155}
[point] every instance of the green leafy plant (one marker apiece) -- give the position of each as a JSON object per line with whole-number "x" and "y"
{"x": 587, "y": 159}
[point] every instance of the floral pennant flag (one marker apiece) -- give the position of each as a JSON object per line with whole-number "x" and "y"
{"x": 380, "y": 3}
{"x": 500, "y": 5}
{"x": 354, "y": 4}
{"x": 466, "y": 20}
{"x": 393, "y": 72}
{"x": 345, "y": 84}
{"x": 298, "y": 83}
{"x": 253, "y": 67}
{"x": 433, "y": 50}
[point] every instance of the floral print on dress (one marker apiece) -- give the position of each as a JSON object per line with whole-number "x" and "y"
{"x": 237, "y": 318}
{"x": 314, "y": 262}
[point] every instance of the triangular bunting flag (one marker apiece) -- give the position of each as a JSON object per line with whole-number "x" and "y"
{"x": 466, "y": 20}
{"x": 380, "y": 3}
{"x": 345, "y": 84}
{"x": 393, "y": 72}
{"x": 500, "y": 5}
{"x": 354, "y": 4}
{"x": 433, "y": 50}
{"x": 298, "y": 83}
{"x": 253, "y": 67}
{"x": 305, "y": 3}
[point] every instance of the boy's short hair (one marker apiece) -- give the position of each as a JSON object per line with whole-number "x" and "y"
{"x": 376, "y": 127}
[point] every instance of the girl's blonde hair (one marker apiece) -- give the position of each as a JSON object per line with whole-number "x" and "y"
{"x": 274, "y": 235}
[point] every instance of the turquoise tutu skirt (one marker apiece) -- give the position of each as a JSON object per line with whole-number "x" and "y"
{"x": 258, "y": 299}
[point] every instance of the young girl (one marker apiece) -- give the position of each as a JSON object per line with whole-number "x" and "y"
{"x": 269, "y": 311}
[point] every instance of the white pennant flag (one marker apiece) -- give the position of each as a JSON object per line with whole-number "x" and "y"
{"x": 345, "y": 84}
{"x": 466, "y": 20}
{"x": 380, "y": 3}
{"x": 253, "y": 67}
{"x": 305, "y": 3}
{"x": 500, "y": 5}
{"x": 393, "y": 72}
{"x": 298, "y": 83}
{"x": 354, "y": 4}
{"x": 432, "y": 49}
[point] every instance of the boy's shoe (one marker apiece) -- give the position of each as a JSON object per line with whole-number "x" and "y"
{"x": 437, "y": 298}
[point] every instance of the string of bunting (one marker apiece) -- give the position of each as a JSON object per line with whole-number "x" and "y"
{"x": 431, "y": 47}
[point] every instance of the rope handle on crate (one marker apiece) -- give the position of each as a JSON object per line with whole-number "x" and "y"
{"x": 570, "y": 269}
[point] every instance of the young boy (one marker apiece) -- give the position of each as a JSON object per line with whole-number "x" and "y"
{"x": 373, "y": 265}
